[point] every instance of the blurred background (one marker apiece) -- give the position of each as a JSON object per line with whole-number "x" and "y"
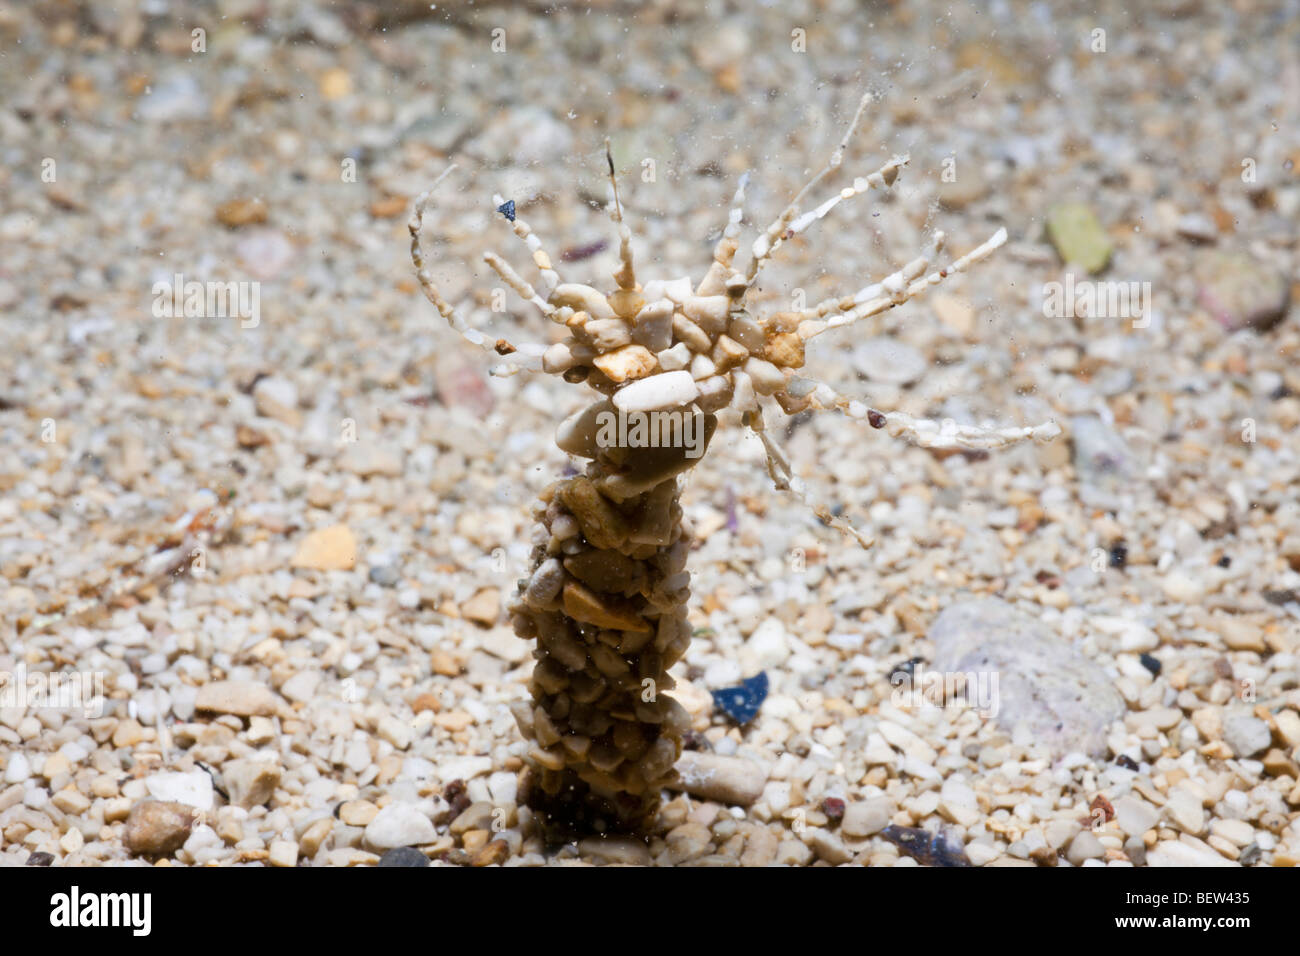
{"x": 379, "y": 479}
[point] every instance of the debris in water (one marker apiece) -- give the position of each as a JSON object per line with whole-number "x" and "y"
{"x": 929, "y": 849}
{"x": 741, "y": 703}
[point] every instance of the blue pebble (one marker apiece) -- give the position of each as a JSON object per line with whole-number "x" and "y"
{"x": 507, "y": 209}
{"x": 741, "y": 703}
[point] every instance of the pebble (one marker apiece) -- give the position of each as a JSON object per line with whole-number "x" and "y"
{"x": 503, "y": 787}
{"x": 397, "y": 732}
{"x": 327, "y": 549}
{"x": 1136, "y": 850}
{"x": 662, "y": 391}
{"x": 1288, "y": 727}
{"x": 1135, "y": 816}
{"x": 768, "y": 646}
{"x": 399, "y": 824}
{"x": 175, "y": 97}
{"x": 1182, "y": 588}
{"x": 981, "y": 854}
{"x": 828, "y": 846}
{"x": 1078, "y": 237}
{"x": 687, "y": 842}
{"x": 956, "y": 313}
{"x": 282, "y": 853}
{"x": 633, "y": 362}
{"x": 793, "y": 853}
{"x": 730, "y": 780}
{"x": 1247, "y": 735}
{"x": 969, "y": 185}
{"x": 357, "y": 813}
{"x": 544, "y": 586}
{"x": 277, "y": 398}
{"x": 591, "y": 607}
{"x": 1084, "y": 846}
{"x": 1209, "y": 721}
{"x": 239, "y": 697}
{"x": 56, "y": 763}
{"x": 192, "y": 788}
{"x": 1101, "y": 456}
{"x": 477, "y": 816}
{"x": 877, "y": 751}
{"x": 957, "y": 803}
{"x": 1241, "y": 635}
{"x": 1134, "y": 637}
{"x": 386, "y": 575}
{"x": 761, "y": 846}
{"x": 483, "y": 608}
{"x": 71, "y": 841}
{"x": 463, "y": 768}
{"x": 1177, "y": 853}
{"x": 314, "y": 837}
{"x": 1046, "y": 690}
{"x": 250, "y": 782}
{"x": 1238, "y": 832}
{"x": 1241, "y": 292}
{"x": 1155, "y": 718}
{"x": 302, "y": 686}
{"x": 1197, "y": 227}
{"x": 17, "y": 769}
{"x": 504, "y": 644}
{"x": 241, "y": 212}
{"x": 617, "y": 850}
{"x": 264, "y": 254}
{"x": 157, "y": 828}
{"x": 71, "y": 800}
{"x": 492, "y": 853}
{"x": 1185, "y": 809}
{"x": 866, "y": 818}
{"x": 369, "y": 460}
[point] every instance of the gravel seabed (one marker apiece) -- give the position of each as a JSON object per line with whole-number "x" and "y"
{"x": 333, "y": 680}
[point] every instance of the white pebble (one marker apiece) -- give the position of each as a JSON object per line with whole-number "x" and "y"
{"x": 17, "y": 769}
{"x": 666, "y": 390}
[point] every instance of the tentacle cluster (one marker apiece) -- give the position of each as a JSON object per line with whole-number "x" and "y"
{"x": 675, "y": 344}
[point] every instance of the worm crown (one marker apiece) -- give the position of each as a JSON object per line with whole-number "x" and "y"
{"x": 694, "y": 349}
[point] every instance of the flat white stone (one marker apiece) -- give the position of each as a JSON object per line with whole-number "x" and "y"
{"x": 679, "y": 290}
{"x": 767, "y": 378}
{"x": 463, "y": 768}
{"x": 1177, "y": 853}
{"x": 654, "y": 325}
{"x": 399, "y": 824}
{"x": 675, "y": 358}
{"x": 194, "y": 789}
{"x": 708, "y": 311}
{"x": 666, "y": 390}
